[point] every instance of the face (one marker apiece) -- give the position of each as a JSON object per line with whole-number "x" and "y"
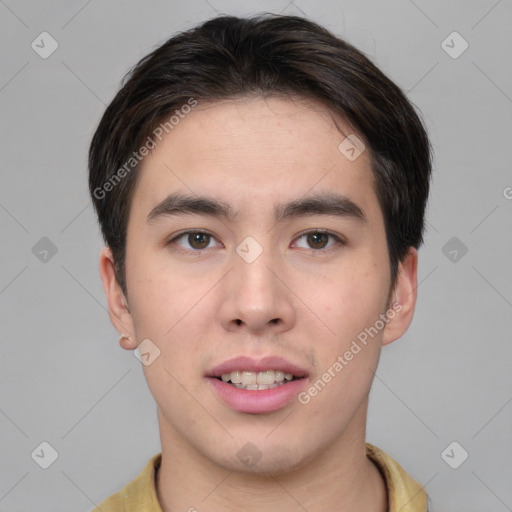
{"x": 284, "y": 266}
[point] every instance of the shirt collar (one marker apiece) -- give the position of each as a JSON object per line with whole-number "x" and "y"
{"x": 404, "y": 493}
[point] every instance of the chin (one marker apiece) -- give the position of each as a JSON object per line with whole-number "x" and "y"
{"x": 274, "y": 460}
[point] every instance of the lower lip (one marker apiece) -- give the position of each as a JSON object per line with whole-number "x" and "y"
{"x": 266, "y": 400}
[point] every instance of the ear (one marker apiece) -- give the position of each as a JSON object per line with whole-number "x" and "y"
{"x": 118, "y": 310}
{"x": 403, "y": 298}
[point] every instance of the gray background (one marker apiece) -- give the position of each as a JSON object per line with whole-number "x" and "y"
{"x": 63, "y": 377}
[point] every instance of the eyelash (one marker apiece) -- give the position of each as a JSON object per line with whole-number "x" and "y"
{"x": 339, "y": 240}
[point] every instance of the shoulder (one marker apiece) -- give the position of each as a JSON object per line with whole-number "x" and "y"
{"x": 404, "y": 492}
{"x": 139, "y": 494}
{"x": 112, "y": 504}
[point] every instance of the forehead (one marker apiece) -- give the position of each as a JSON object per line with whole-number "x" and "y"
{"x": 254, "y": 153}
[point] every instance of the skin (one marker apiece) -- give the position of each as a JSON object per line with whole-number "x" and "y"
{"x": 204, "y": 307}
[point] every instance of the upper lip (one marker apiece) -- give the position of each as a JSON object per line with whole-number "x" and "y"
{"x": 249, "y": 364}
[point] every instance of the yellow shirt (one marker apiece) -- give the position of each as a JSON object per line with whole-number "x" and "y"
{"x": 405, "y": 494}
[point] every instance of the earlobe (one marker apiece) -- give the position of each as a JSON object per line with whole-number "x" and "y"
{"x": 403, "y": 300}
{"x": 126, "y": 342}
{"x": 118, "y": 309}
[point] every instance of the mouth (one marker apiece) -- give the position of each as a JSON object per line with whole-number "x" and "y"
{"x": 258, "y": 381}
{"x": 257, "y": 386}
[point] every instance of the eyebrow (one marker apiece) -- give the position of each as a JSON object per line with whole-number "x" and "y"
{"x": 328, "y": 203}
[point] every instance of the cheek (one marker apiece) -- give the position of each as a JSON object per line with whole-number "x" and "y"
{"x": 347, "y": 356}
{"x": 347, "y": 300}
{"x": 347, "y": 359}
{"x": 172, "y": 310}
{"x": 157, "y": 296}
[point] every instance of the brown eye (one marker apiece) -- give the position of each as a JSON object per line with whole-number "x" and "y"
{"x": 320, "y": 241}
{"x": 193, "y": 241}
{"x": 199, "y": 240}
{"x": 317, "y": 240}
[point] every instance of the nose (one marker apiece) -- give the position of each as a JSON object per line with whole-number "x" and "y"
{"x": 255, "y": 296}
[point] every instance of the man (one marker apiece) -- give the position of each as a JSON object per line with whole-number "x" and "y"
{"x": 261, "y": 189}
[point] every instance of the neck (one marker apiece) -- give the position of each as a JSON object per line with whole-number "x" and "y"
{"x": 340, "y": 478}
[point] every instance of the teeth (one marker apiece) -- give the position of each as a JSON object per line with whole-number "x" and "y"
{"x": 249, "y": 378}
{"x": 265, "y": 377}
{"x": 257, "y": 380}
{"x": 258, "y": 387}
{"x": 279, "y": 376}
